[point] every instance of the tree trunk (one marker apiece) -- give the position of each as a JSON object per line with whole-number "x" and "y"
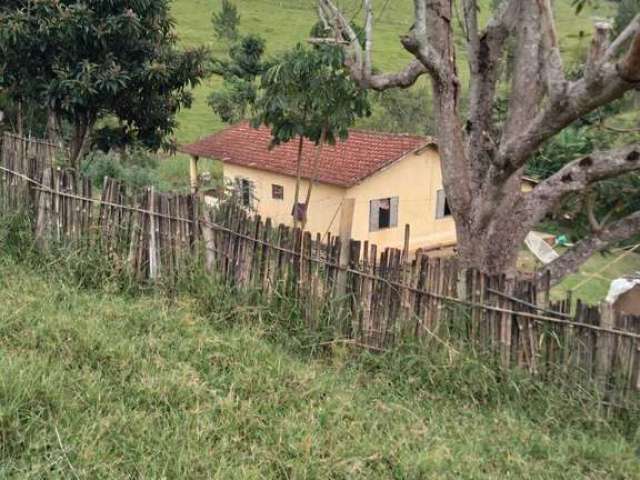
{"x": 296, "y": 196}
{"x": 19, "y": 119}
{"x": 78, "y": 144}
{"x": 52, "y": 127}
{"x": 491, "y": 250}
{"x": 483, "y": 156}
{"x": 314, "y": 175}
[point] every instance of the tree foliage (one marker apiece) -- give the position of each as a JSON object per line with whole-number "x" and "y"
{"x": 307, "y": 93}
{"x": 226, "y": 21}
{"x": 308, "y": 90}
{"x": 239, "y": 92}
{"x": 87, "y": 60}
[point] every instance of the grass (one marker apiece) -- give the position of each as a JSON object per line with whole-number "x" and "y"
{"x": 173, "y": 171}
{"x": 283, "y": 23}
{"x": 102, "y": 382}
{"x": 592, "y": 282}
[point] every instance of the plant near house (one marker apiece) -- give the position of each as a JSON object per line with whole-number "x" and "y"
{"x": 226, "y": 21}
{"x": 307, "y": 94}
{"x": 483, "y": 160}
{"x": 239, "y": 92}
{"x": 90, "y": 60}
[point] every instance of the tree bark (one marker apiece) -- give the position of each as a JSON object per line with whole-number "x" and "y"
{"x": 79, "y": 140}
{"x": 482, "y": 159}
{"x": 19, "y": 119}
{"x": 571, "y": 261}
{"x": 52, "y": 127}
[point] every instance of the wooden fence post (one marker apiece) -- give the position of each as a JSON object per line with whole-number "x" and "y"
{"x": 346, "y": 223}
{"x": 193, "y": 174}
{"x": 604, "y": 343}
{"x": 208, "y": 236}
{"x": 153, "y": 258}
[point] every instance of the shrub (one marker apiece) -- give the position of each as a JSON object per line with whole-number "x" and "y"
{"x": 136, "y": 169}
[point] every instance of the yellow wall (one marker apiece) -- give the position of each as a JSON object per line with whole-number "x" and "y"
{"x": 323, "y": 207}
{"x": 415, "y": 180}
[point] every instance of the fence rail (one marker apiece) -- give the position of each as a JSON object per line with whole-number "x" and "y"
{"x": 376, "y": 298}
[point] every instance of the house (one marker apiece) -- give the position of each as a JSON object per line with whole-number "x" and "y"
{"x": 375, "y": 182}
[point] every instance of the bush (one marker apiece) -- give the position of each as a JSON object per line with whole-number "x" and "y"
{"x": 136, "y": 169}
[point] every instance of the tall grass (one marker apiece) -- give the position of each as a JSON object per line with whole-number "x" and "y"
{"x": 193, "y": 379}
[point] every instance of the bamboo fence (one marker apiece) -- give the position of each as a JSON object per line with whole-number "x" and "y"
{"x": 375, "y": 298}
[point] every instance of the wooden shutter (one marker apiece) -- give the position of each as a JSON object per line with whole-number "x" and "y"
{"x": 374, "y": 213}
{"x": 393, "y": 213}
{"x": 252, "y": 192}
{"x": 440, "y": 204}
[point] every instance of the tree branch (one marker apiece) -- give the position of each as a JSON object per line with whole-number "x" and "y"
{"x": 360, "y": 63}
{"x": 589, "y": 204}
{"x": 570, "y": 261}
{"x": 368, "y": 37}
{"x": 599, "y": 45}
{"x": 629, "y": 67}
{"x": 484, "y": 64}
{"x": 578, "y": 175}
{"x": 417, "y": 43}
{"x": 527, "y": 85}
{"x": 581, "y": 98}
{"x": 627, "y": 34}
{"x": 556, "y": 82}
{"x": 470, "y": 12}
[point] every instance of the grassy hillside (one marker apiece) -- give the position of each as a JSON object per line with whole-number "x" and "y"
{"x": 101, "y": 385}
{"x": 283, "y": 23}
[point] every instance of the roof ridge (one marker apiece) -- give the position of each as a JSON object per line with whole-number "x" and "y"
{"x": 359, "y": 156}
{"x": 247, "y": 123}
{"x": 393, "y": 134}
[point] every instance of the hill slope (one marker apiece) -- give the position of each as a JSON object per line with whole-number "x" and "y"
{"x": 283, "y": 23}
{"x": 101, "y": 385}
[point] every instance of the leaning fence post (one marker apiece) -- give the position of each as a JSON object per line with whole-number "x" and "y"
{"x": 604, "y": 343}
{"x": 209, "y": 244}
{"x": 153, "y": 259}
{"x": 346, "y": 222}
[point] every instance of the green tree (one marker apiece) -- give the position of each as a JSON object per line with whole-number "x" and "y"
{"x": 234, "y": 101}
{"x": 308, "y": 94}
{"x": 91, "y": 60}
{"x": 226, "y": 22}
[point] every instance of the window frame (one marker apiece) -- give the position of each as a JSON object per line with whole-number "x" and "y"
{"x": 277, "y": 188}
{"x": 245, "y": 188}
{"x": 374, "y": 213}
{"x": 443, "y": 209}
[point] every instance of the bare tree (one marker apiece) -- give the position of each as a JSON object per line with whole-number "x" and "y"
{"x": 483, "y": 162}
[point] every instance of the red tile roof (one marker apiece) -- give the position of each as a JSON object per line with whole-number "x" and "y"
{"x": 343, "y": 164}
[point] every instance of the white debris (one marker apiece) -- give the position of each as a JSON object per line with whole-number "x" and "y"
{"x": 540, "y": 248}
{"x": 620, "y": 286}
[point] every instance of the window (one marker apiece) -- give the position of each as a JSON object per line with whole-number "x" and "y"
{"x": 442, "y": 205}
{"x": 383, "y": 213}
{"x": 277, "y": 192}
{"x": 245, "y": 189}
{"x": 299, "y": 212}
